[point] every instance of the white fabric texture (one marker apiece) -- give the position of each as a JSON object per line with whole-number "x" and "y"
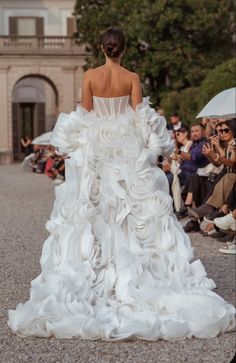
{"x": 175, "y": 170}
{"x": 175, "y": 187}
{"x": 117, "y": 262}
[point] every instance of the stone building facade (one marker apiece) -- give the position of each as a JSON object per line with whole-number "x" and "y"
{"x": 41, "y": 69}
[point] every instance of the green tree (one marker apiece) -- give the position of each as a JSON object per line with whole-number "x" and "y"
{"x": 189, "y": 102}
{"x": 185, "y": 103}
{"x": 171, "y": 43}
{"x": 217, "y": 80}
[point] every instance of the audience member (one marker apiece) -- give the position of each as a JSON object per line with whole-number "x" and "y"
{"x": 192, "y": 160}
{"x": 26, "y": 143}
{"x": 200, "y": 185}
{"x": 175, "y": 175}
{"x": 160, "y": 111}
{"x": 215, "y": 206}
{"x": 176, "y": 123}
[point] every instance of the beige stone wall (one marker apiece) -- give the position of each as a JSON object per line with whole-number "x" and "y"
{"x": 60, "y": 65}
{"x": 50, "y": 107}
{"x": 65, "y": 74}
{"x": 5, "y": 137}
{"x": 54, "y": 13}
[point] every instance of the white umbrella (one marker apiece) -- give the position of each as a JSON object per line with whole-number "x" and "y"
{"x": 222, "y": 105}
{"x": 44, "y": 139}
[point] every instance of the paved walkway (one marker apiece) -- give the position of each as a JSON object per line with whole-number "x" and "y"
{"x": 25, "y": 203}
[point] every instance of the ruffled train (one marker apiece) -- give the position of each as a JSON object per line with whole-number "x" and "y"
{"x": 117, "y": 262}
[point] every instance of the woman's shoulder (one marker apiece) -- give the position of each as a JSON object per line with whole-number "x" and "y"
{"x": 129, "y": 73}
{"x": 90, "y": 72}
{"x": 129, "y": 76}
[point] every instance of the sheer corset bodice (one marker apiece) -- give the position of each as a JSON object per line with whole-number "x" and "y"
{"x": 110, "y": 107}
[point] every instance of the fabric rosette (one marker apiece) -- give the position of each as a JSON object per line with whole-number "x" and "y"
{"x": 157, "y": 139}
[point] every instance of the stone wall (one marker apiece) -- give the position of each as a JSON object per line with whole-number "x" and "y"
{"x": 54, "y": 13}
{"x": 63, "y": 73}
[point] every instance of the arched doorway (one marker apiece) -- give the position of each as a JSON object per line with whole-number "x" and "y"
{"x": 34, "y": 109}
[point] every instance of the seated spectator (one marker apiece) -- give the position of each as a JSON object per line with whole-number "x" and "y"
{"x": 26, "y": 143}
{"x": 200, "y": 185}
{"x": 58, "y": 169}
{"x": 39, "y": 162}
{"x": 174, "y": 173}
{"x": 176, "y": 123}
{"x": 205, "y": 121}
{"x": 192, "y": 160}
{"x": 209, "y": 126}
{"x": 26, "y": 164}
{"x": 185, "y": 153}
{"x": 227, "y": 224}
{"x": 50, "y": 155}
{"x": 55, "y": 166}
{"x": 215, "y": 205}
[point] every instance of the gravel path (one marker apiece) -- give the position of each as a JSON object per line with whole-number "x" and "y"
{"x": 25, "y": 202}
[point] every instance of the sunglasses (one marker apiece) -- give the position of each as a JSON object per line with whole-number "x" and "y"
{"x": 226, "y": 131}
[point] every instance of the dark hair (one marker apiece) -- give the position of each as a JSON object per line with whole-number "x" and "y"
{"x": 181, "y": 129}
{"x": 113, "y": 42}
{"x": 198, "y": 124}
{"x": 231, "y": 125}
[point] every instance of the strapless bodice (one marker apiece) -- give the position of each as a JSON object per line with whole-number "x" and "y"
{"x": 110, "y": 107}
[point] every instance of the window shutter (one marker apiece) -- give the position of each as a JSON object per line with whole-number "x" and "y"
{"x": 70, "y": 26}
{"x": 40, "y": 26}
{"x": 12, "y": 25}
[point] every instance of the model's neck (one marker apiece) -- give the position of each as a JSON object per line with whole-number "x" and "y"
{"x": 112, "y": 62}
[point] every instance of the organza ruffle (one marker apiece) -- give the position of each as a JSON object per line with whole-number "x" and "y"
{"x": 117, "y": 262}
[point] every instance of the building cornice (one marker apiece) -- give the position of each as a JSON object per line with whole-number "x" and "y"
{"x": 41, "y": 2}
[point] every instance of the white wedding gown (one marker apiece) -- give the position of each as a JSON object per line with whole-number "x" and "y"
{"x": 117, "y": 262}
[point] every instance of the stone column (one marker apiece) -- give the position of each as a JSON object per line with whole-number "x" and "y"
{"x": 68, "y": 89}
{"x": 5, "y": 142}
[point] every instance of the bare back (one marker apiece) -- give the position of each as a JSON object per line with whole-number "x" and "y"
{"x": 110, "y": 81}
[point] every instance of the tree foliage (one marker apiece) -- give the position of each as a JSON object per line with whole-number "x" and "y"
{"x": 185, "y": 103}
{"x": 171, "y": 43}
{"x": 217, "y": 80}
{"x": 189, "y": 102}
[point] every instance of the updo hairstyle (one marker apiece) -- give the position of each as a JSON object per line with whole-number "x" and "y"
{"x": 113, "y": 42}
